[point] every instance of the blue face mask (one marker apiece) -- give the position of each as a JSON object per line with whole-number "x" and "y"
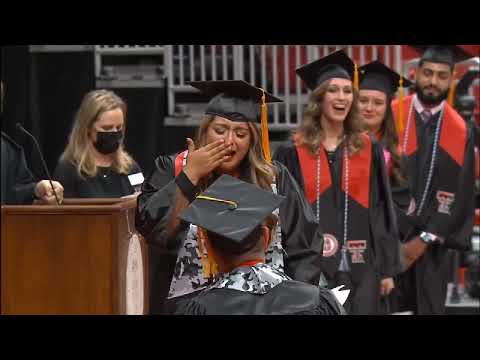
{"x": 108, "y": 141}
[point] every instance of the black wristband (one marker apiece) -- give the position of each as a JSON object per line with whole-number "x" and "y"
{"x": 185, "y": 185}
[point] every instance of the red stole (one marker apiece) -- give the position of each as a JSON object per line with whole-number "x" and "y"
{"x": 179, "y": 162}
{"x": 359, "y": 170}
{"x": 453, "y": 134}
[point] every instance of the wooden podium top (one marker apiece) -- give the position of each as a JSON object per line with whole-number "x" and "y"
{"x": 77, "y": 205}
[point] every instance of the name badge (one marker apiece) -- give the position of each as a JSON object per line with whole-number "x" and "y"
{"x": 136, "y": 179}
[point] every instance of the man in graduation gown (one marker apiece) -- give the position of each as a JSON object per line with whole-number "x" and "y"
{"x": 439, "y": 147}
{"x": 234, "y": 215}
{"x": 18, "y": 186}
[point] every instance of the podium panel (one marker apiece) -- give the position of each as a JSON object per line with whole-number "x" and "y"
{"x": 83, "y": 257}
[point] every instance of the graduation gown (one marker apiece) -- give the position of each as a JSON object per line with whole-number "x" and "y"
{"x": 403, "y": 201}
{"x": 372, "y": 239}
{"x": 449, "y": 206}
{"x": 261, "y": 290}
{"x": 175, "y": 266}
{"x": 17, "y": 182}
{"x": 106, "y": 184}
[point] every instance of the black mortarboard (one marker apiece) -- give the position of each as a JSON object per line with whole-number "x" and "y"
{"x": 235, "y": 100}
{"x": 445, "y": 54}
{"x": 377, "y": 76}
{"x": 232, "y": 209}
{"x": 335, "y": 65}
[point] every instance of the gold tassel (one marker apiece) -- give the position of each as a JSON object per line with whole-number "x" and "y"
{"x": 265, "y": 139}
{"x": 400, "y": 120}
{"x": 356, "y": 79}
{"x": 451, "y": 93}
{"x": 210, "y": 267}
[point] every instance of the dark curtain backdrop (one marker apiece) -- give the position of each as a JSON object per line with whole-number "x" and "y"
{"x": 44, "y": 90}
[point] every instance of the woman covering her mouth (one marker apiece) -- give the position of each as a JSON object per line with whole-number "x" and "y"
{"x": 343, "y": 175}
{"x": 229, "y": 141}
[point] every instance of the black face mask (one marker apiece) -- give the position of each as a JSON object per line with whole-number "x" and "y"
{"x": 108, "y": 141}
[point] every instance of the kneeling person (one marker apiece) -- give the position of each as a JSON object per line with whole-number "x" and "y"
{"x": 236, "y": 220}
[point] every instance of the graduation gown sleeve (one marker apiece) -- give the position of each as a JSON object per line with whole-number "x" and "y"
{"x": 302, "y": 237}
{"x": 24, "y": 182}
{"x": 155, "y": 205}
{"x": 383, "y": 219}
{"x": 18, "y": 183}
{"x": 456, "y": 228}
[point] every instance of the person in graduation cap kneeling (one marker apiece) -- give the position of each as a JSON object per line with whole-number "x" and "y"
{"x": 439, "y": 148}
{"x": 343, "y": 174}
{"x": 228, "y": 142}
{"x": 238, "y": 221}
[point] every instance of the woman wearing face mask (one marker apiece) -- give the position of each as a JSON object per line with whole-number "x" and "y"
{"x": 94, "y": 163}
{"x": 343, "y": 175}
{"x": 228, "y": 142}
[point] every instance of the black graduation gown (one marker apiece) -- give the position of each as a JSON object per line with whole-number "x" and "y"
{"x": 106, "y": 184}
{"x": 302, "y": 238}
{"x": 289, "y": 298}
{"x": 376, "y": 225}
{"x": 423, "y": 287}
{"x": 17, "y": 182}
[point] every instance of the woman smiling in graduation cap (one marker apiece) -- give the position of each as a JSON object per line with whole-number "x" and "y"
{"x": 343, "y": 175}
{"x": 229, "y": 141}
{"x": 378, "y": 84}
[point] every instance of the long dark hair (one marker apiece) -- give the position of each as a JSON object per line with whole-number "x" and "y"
{"x": 389, "y": 139}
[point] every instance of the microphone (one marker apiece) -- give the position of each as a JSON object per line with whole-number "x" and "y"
{"x": 21, "y": 128}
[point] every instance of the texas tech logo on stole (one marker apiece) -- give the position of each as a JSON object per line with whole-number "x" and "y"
{"x": 356, "y": 249}
{"x": 330, "y": 245}
{"x": 445, "y": 200}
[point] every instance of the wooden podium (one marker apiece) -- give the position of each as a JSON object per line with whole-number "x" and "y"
{"x": 82, "y": 257}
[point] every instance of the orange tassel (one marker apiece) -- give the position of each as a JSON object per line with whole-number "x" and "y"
{"x": 265, "y": 138}
{"x": 400, "y": 120}
{"x": 451, "y": 93}
{"x": 356, "y": 79}
{"x": 210, "y": 267}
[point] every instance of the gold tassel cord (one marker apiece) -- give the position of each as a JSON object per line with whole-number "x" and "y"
{"x": 265, "y": 138}
{"x": 232, "y": 204}
{"x": 400, "y": 119}
{"x": 356, "y": 79}
{"x": 210, "y": 267}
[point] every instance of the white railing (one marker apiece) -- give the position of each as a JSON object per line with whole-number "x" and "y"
{"x": 271, "y": 67}
{"x": 123, "y": 50}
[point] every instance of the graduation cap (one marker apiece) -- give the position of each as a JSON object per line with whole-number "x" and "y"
{"x": 232, "y": 209}
{"x": 335, "y": 65}
{"x": 237, "y": 100}
{"x": 445, "y": 54}
{"x": 377, "y": 76}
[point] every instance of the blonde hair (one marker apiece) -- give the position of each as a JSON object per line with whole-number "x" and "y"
{"x": 259, "y": 171}
{"x": 311, "y": 133}
{"x": 79, "y": 148}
